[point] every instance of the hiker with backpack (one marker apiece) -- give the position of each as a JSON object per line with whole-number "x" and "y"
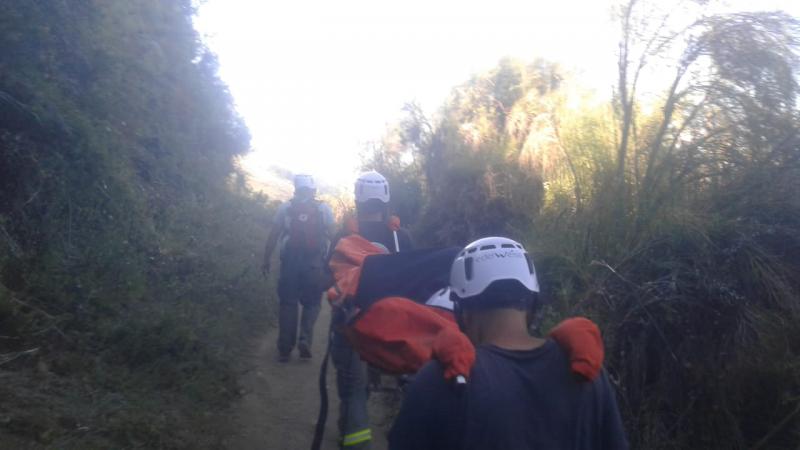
{"x": 523, "y": 392}
{"x": 302, "y": 228}
{"x": 374, "y": 223}
{"x": 392, "y": 311}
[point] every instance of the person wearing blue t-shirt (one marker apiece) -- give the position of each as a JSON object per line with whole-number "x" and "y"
{"x": 521, "y": 393}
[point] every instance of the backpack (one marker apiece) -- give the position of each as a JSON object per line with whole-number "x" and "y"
{"x": 390, "y": 242}
{"x": 396, "y": 329}
{"x": 305, "y": 228}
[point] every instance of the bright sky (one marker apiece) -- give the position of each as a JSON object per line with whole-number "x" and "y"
{"x": 316, "y": 80}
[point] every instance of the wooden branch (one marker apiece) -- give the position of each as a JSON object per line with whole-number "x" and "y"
{"x": 686, "y": 122}
{"x": 658, "y": 329}
{"x": 626, "y": 99}
{"x": 570, "y": 163}
{"x": 669, "y": 109}
{"x": 12, "y": 244}
{"x": 776, "y": 428}
{"x": 8, "y": 357}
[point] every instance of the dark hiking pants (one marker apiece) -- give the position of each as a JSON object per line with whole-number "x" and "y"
{"x": 351, "y": 384}
{"x": 300, "y": 284}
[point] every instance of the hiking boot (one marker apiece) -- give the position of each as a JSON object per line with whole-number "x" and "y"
{"x": 305, "y": 352}
{"x": 283, "y": 358}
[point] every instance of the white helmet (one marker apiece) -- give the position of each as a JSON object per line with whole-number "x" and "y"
{"x": 488, "y": 260}
{"x": 441, "y": 299}
{"x": 372, "y": 185}
{"x": 304, "y": 181}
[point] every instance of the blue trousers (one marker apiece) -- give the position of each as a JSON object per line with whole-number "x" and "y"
{"x": 351, "y": 384}
{"x": 300, "y": 284}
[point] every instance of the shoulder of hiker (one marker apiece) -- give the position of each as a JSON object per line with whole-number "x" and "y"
{"x": 327, "y": 213}
{"x": 429, "y": 399}
{"x": 281, "y": 212}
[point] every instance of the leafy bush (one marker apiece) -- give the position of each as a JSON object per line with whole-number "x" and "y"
{"x": 674, "y": 224}
{"x": 128, "y": 267}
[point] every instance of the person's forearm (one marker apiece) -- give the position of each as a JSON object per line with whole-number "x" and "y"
{"x": 268, "y": 249}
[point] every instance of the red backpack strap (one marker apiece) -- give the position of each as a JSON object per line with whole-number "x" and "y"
{"x": 394, "y": 226}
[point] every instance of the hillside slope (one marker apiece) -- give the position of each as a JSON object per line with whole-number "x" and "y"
{"x": 129, "y": 244}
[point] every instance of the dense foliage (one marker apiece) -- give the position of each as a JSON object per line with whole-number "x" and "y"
{"x": 127, "y": 242}
{"x": 671, "y": 219}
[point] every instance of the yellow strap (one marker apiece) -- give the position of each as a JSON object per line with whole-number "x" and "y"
{"x": 357, "y": 437}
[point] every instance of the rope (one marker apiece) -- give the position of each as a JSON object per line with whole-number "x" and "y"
{"x": 322, "y": 418}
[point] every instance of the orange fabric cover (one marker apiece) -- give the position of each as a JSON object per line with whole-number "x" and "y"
{"x": 581, "y": 339}
{"x": 399, "y": 336}
{"x": 346, "y": 262}
{"x": 444, "y": 313}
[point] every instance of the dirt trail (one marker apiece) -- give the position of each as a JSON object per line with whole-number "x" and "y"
{"x": 280, "y": 404}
